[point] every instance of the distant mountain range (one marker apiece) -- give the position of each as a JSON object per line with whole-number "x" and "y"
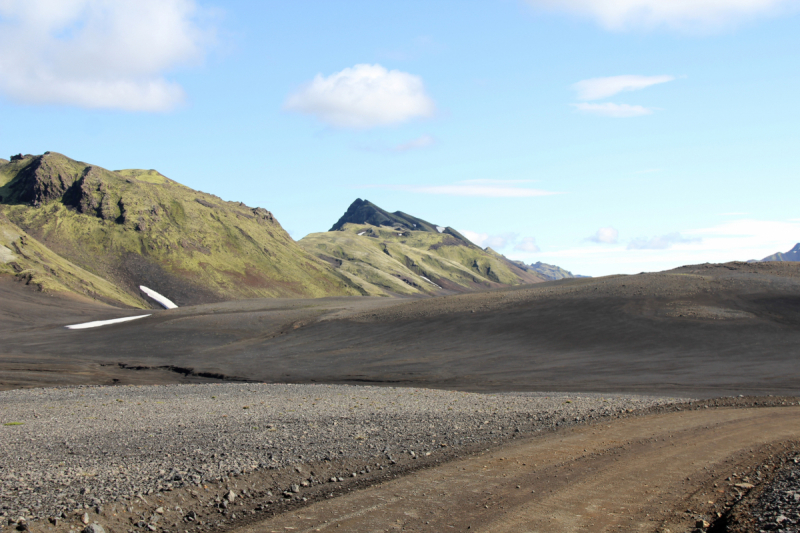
{"x": 549, "y": 272}
{"x": 73, "y": 227}
{"x": 791, "y": 255}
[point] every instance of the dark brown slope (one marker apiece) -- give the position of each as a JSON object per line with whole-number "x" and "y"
{"x": 702, "y": 330}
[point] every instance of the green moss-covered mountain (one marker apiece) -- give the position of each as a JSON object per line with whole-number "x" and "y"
{"x": 137, "y": 227}
{"x": 386, "y": 253}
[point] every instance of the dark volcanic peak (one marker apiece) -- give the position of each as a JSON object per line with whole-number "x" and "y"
{"x": 791, "y": 255}
{"x": 365, "y": 212}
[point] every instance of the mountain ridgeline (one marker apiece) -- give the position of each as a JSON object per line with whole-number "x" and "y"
{"x": 385, "y": 253}
{"x": 549, "y": 272}
{"x": 73, "y": 227}
{"x": 63, "y": 219}
{"x": 791, "y": 255}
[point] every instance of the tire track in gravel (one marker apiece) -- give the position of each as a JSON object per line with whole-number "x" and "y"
{"x": 629, "y": 475}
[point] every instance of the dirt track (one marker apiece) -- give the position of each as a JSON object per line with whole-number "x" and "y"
{"x": 654, "y": 473}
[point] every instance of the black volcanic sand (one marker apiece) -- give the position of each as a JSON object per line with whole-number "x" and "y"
{"x": 704, "y": 330}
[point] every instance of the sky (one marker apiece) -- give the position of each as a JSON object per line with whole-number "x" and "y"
{"x": 603, "y": 136}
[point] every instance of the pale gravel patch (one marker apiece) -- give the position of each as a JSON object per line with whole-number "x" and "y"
{"x": 93, "y": 445}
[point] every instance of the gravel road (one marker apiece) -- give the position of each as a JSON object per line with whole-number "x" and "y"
{"x": 74, "y": 449}
{"x": 778, "y": 507}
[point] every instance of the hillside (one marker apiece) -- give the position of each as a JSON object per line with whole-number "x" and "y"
{"x": 791, "y": 255}
{"x": 33, "y": 264}
{"x": 383, "y": 255}
{"x": 133, "y": 227}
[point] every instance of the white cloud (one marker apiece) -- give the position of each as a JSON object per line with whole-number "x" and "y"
{"x": 692, "y": 15}
{"x": 364, "y": 96}
{"x": 109, "y": 54}
{"x": 736, "y": 240}
{"x": 415, "y": 144}
{"x": 613, "y": 110}
{"x": 527, "y": 244}
{"x": 475, "y": 237}
{"x": 662, "y": 242}
{"x": 605, "y": 236}
{"x": 599, "y": 88}
{"x": 499, "y": 241}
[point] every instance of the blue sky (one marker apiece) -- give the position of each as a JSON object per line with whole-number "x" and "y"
{"x": 612, "y": 136}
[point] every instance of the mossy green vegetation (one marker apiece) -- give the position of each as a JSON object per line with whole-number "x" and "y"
{"x": 385, "y": 260}
{"x": 132, "y": 227}
{"x": 36, "y": 265}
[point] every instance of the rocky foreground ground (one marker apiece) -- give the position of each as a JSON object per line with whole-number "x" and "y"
{"x": 110, "y": 454}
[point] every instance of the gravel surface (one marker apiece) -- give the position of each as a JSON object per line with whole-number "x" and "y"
{"x": 74, "y": 448}
{"x": 778, "y": 507}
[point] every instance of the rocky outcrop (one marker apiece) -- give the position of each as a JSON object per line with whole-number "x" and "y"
{"x": 45, "y": 179}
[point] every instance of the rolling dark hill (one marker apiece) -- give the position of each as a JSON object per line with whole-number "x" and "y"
{"x": 703, "y": 330}
{"x": 138, "y": 227}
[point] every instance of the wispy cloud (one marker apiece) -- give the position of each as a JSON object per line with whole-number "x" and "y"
{"x": 497, "y": 182}
{"x": 424, "y": 141}
{"x": 527, "y": 244}
{"x": 599, "y": 88}
{"x": 735, "y": 240}
{"x": 733, "y": 214}
{"x": 98, "y": 53}
{"x": 502, "y": 240}
{"x": 692, "y": 15}
{"x": 613, "y": 110}
{"x": 607, "y": 235}
{"x": 472, "y": 189}
{"x": 661, "y": 242}
{"x": 362, "y": 97}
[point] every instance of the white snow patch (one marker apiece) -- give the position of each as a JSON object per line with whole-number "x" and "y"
{"x": 440, "y": 229}
{"x": 429, "y": 281}
{"x": 165, "y": 302}
{"x": 6, "y": 255}
{"x": 362, "y": 233}
{"x": 98, "y": 323}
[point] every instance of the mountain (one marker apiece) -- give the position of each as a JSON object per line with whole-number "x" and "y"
{"x": 791, "y": 255}
{"x": 386, "y": 253}
{"x": 549, "y": 272}
{"x": 138, "y": 227}
{"x": 365, "y": 212}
